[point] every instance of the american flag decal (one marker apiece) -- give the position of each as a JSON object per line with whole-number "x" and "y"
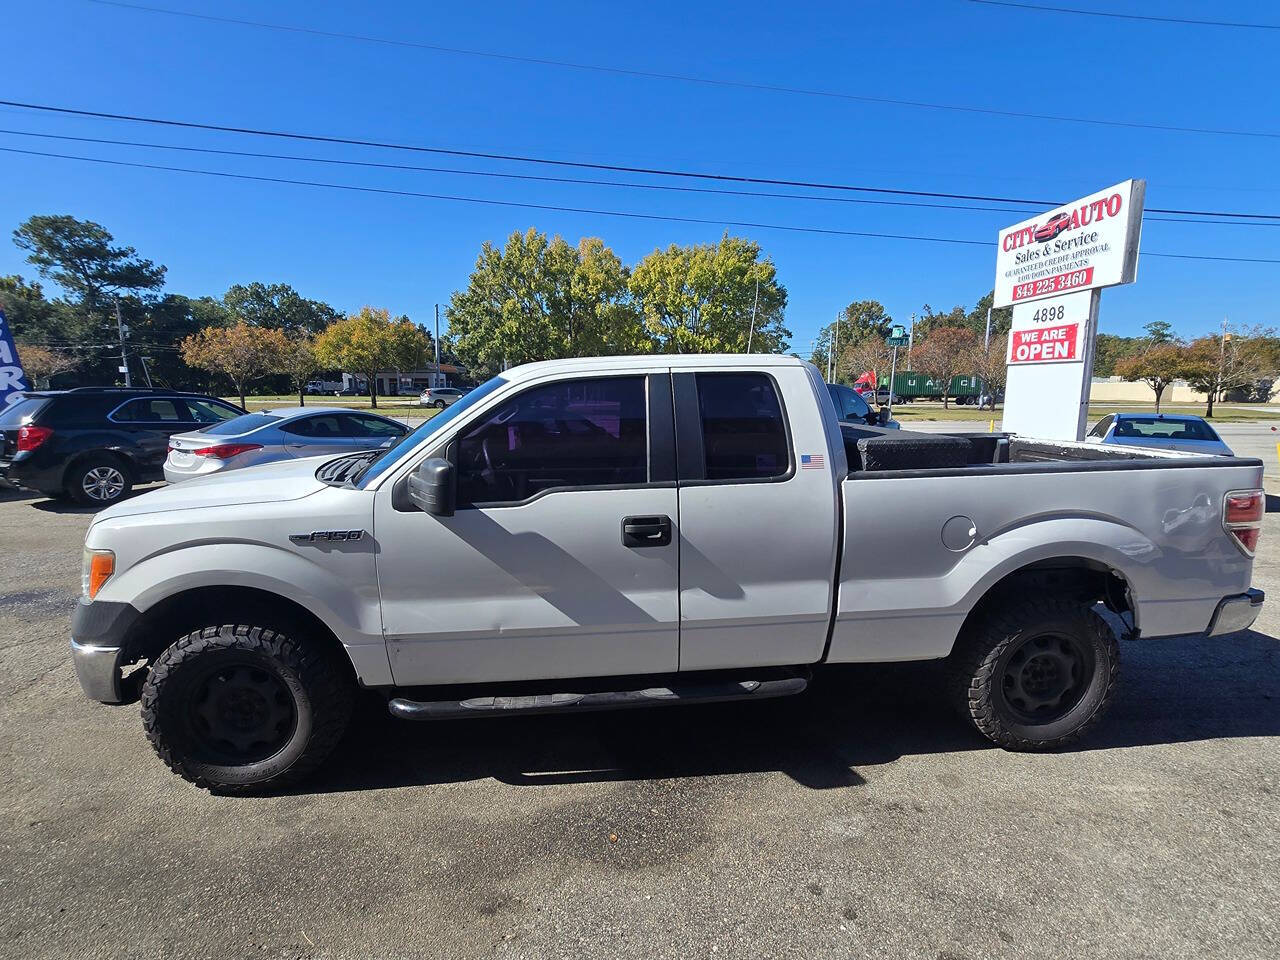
{"x": 812, "y": 461}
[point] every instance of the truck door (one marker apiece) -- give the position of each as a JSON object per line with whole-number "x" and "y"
{"x": 561, "y": 558}
{"x": 758, "y": 519}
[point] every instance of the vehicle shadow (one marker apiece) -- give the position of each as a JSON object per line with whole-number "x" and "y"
{"x": 1172, "y": 691}
{"x": 67, "y": 505}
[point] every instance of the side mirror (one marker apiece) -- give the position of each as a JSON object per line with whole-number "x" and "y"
{"x": 884, "y": 416}
{"x": 433, "y": 487}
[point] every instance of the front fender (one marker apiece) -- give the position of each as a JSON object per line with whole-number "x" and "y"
{"x": 338, "y": 585}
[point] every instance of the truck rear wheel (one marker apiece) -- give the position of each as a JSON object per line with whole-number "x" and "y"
{"x": 244, "y": 708}
{"x": 1036, "y": 674}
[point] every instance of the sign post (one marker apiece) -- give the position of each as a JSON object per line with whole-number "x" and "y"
{"x": 1051, "y": 270}
{"x": 12, "y": 379}
{"x": 898, "y": 337}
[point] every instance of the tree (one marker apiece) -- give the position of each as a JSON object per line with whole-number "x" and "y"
{"x": 1109, "y": 349}
{"x": 1216, "y": 364}
{"x": 80, "y": 256}
{"x": 868, "y": 353}
{"x": 241, "y": 352}
{"x": 945, "y": 353}
{"x": 701, "y": 299}
{"x": 931, "y": 320}
{"x": 298, "y": 360}
{"x": 1158, "y": 365}
{"x": 361, "y": 343}
{"x": 861, "y": 320}
{"x": 990, "y": 364}
{"x": 1160, "y": 331}
{"x": 407, "y": 345}
{"x": 1001, "y": 317}
{"x": 278, "y": 307}
{"x": 538, "y": 298}
{"x": 41, "y": 363}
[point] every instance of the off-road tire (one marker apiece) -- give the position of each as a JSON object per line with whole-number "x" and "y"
{"x": 80, "y": 470}
{"x": 320, "y": 689}
{"x": 982, "y": 659}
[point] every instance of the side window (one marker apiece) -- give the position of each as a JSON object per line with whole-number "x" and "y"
{"x": 323, "y": 426}
{"x": 355, "y": 425}
{"x": 1102, "y": 426}
{"x": 744, "y": 436}
{"x": 575, "y": 433}
{"x": 209, "y": 411}
{"x": 148, "y": 410}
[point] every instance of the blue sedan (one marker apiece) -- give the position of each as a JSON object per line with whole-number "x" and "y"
{"x": 1165, "y": 431}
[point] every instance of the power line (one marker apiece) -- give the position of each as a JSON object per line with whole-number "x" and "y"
{"x": 615, "y": 168}
{"x": 574, "y": 180}
{"x": 557, "y": 208}
{"x": 1083, "y": 13}
{"x": 682, "y": 78}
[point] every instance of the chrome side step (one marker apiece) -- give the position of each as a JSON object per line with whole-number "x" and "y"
{"x": 535, "y": 703}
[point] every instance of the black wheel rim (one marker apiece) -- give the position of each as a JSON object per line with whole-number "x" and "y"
{"x": 1043, "y": 677}
{"x": 240, "y": 713}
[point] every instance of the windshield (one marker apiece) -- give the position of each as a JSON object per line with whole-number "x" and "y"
{"x": 391, "y": 456}
{"x": 241, "y": 424}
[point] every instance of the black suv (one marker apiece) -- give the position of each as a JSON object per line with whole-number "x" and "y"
{"x": 95, "y": 443}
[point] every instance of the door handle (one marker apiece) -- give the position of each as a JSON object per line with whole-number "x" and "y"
{"x": 646, "y": 531}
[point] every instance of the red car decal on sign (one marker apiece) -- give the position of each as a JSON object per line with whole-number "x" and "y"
{"x": 1053, "y": 227}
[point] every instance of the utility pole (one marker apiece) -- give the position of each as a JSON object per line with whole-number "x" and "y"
{"x": 986, "y": 343}
{"x": 835, "y": 347}
{"x": 145, "y": 372}
{"x": 124, "y": 356}
{"x": 751, "y": 333}
{"x": 437, "y": 343}
{"x": 911, "y": 341}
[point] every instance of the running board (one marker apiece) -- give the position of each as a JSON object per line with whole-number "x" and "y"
{"x": 603, "y": 700}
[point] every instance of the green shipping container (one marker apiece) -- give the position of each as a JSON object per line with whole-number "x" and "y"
{"x": 918, "y": 386}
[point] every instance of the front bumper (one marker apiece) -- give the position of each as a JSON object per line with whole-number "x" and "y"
{"x": 1236, "y": 613}
{"x": 98, "y": 630}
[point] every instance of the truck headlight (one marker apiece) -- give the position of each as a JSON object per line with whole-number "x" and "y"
{"x": 97, "y": 568}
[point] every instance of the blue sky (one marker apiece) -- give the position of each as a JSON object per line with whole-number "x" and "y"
{"x": 407, "y": 254}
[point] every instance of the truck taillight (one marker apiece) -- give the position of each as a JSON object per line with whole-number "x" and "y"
{"x": 226, "y": 451}
{"x": 29, "y": 437}
{"x": 1242, "y": 517}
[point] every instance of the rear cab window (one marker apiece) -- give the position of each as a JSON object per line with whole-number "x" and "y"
{"x": 744, "y": 430}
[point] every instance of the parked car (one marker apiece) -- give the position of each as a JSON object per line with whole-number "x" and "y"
{"x": 642, "y": 531}
{"x": 1162, "y": 431}
{"x": 95, "y": 443}
{"x": 851, "y": 407}
{"x": 440, "y": 397}
{"x": 271, "y": 435}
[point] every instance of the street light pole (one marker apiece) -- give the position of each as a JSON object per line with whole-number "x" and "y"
{"x": 124, "y": 356}
{"x": 437, "y": 377}
{"x": 755, "y": 306}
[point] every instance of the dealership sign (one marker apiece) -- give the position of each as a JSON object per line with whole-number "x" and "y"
{"x": 1087, "y": 244}
{"x": 12, "y": 380}
{"x": 1050, "y": 360}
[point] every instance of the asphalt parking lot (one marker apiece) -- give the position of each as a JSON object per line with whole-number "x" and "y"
{"x": 859, "y": 820}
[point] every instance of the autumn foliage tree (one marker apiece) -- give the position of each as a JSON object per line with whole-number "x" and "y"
{"x": 1157, "y": 366}
{"x": 1216, "y": 364}
{"x": 298, "y": 360}
{"x": 41, "y": 363}
{"x": 946, "y": 353}
{"x": 240, "y": 352}
{"x": 361, "y": 343}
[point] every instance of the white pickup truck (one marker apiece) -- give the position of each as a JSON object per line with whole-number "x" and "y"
{"x": 597, "y": 533}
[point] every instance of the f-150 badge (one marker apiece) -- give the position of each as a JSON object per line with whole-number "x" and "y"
{"x": 327, "y": 536}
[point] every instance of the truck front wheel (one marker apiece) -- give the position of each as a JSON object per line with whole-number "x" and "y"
{"x": 1036, "y": 674}
{"x": 244, "y": 708}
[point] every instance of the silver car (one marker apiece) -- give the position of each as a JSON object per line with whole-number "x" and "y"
{"x": 276, "y": 435}
{"x": 1164, "y": 431}
{"x": 440, "y": 397}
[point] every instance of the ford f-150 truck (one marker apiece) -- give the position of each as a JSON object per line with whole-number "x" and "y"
{"x": 598, "y": 533}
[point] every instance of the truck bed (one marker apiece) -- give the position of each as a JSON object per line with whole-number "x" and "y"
{"x": 923, "y": 539}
